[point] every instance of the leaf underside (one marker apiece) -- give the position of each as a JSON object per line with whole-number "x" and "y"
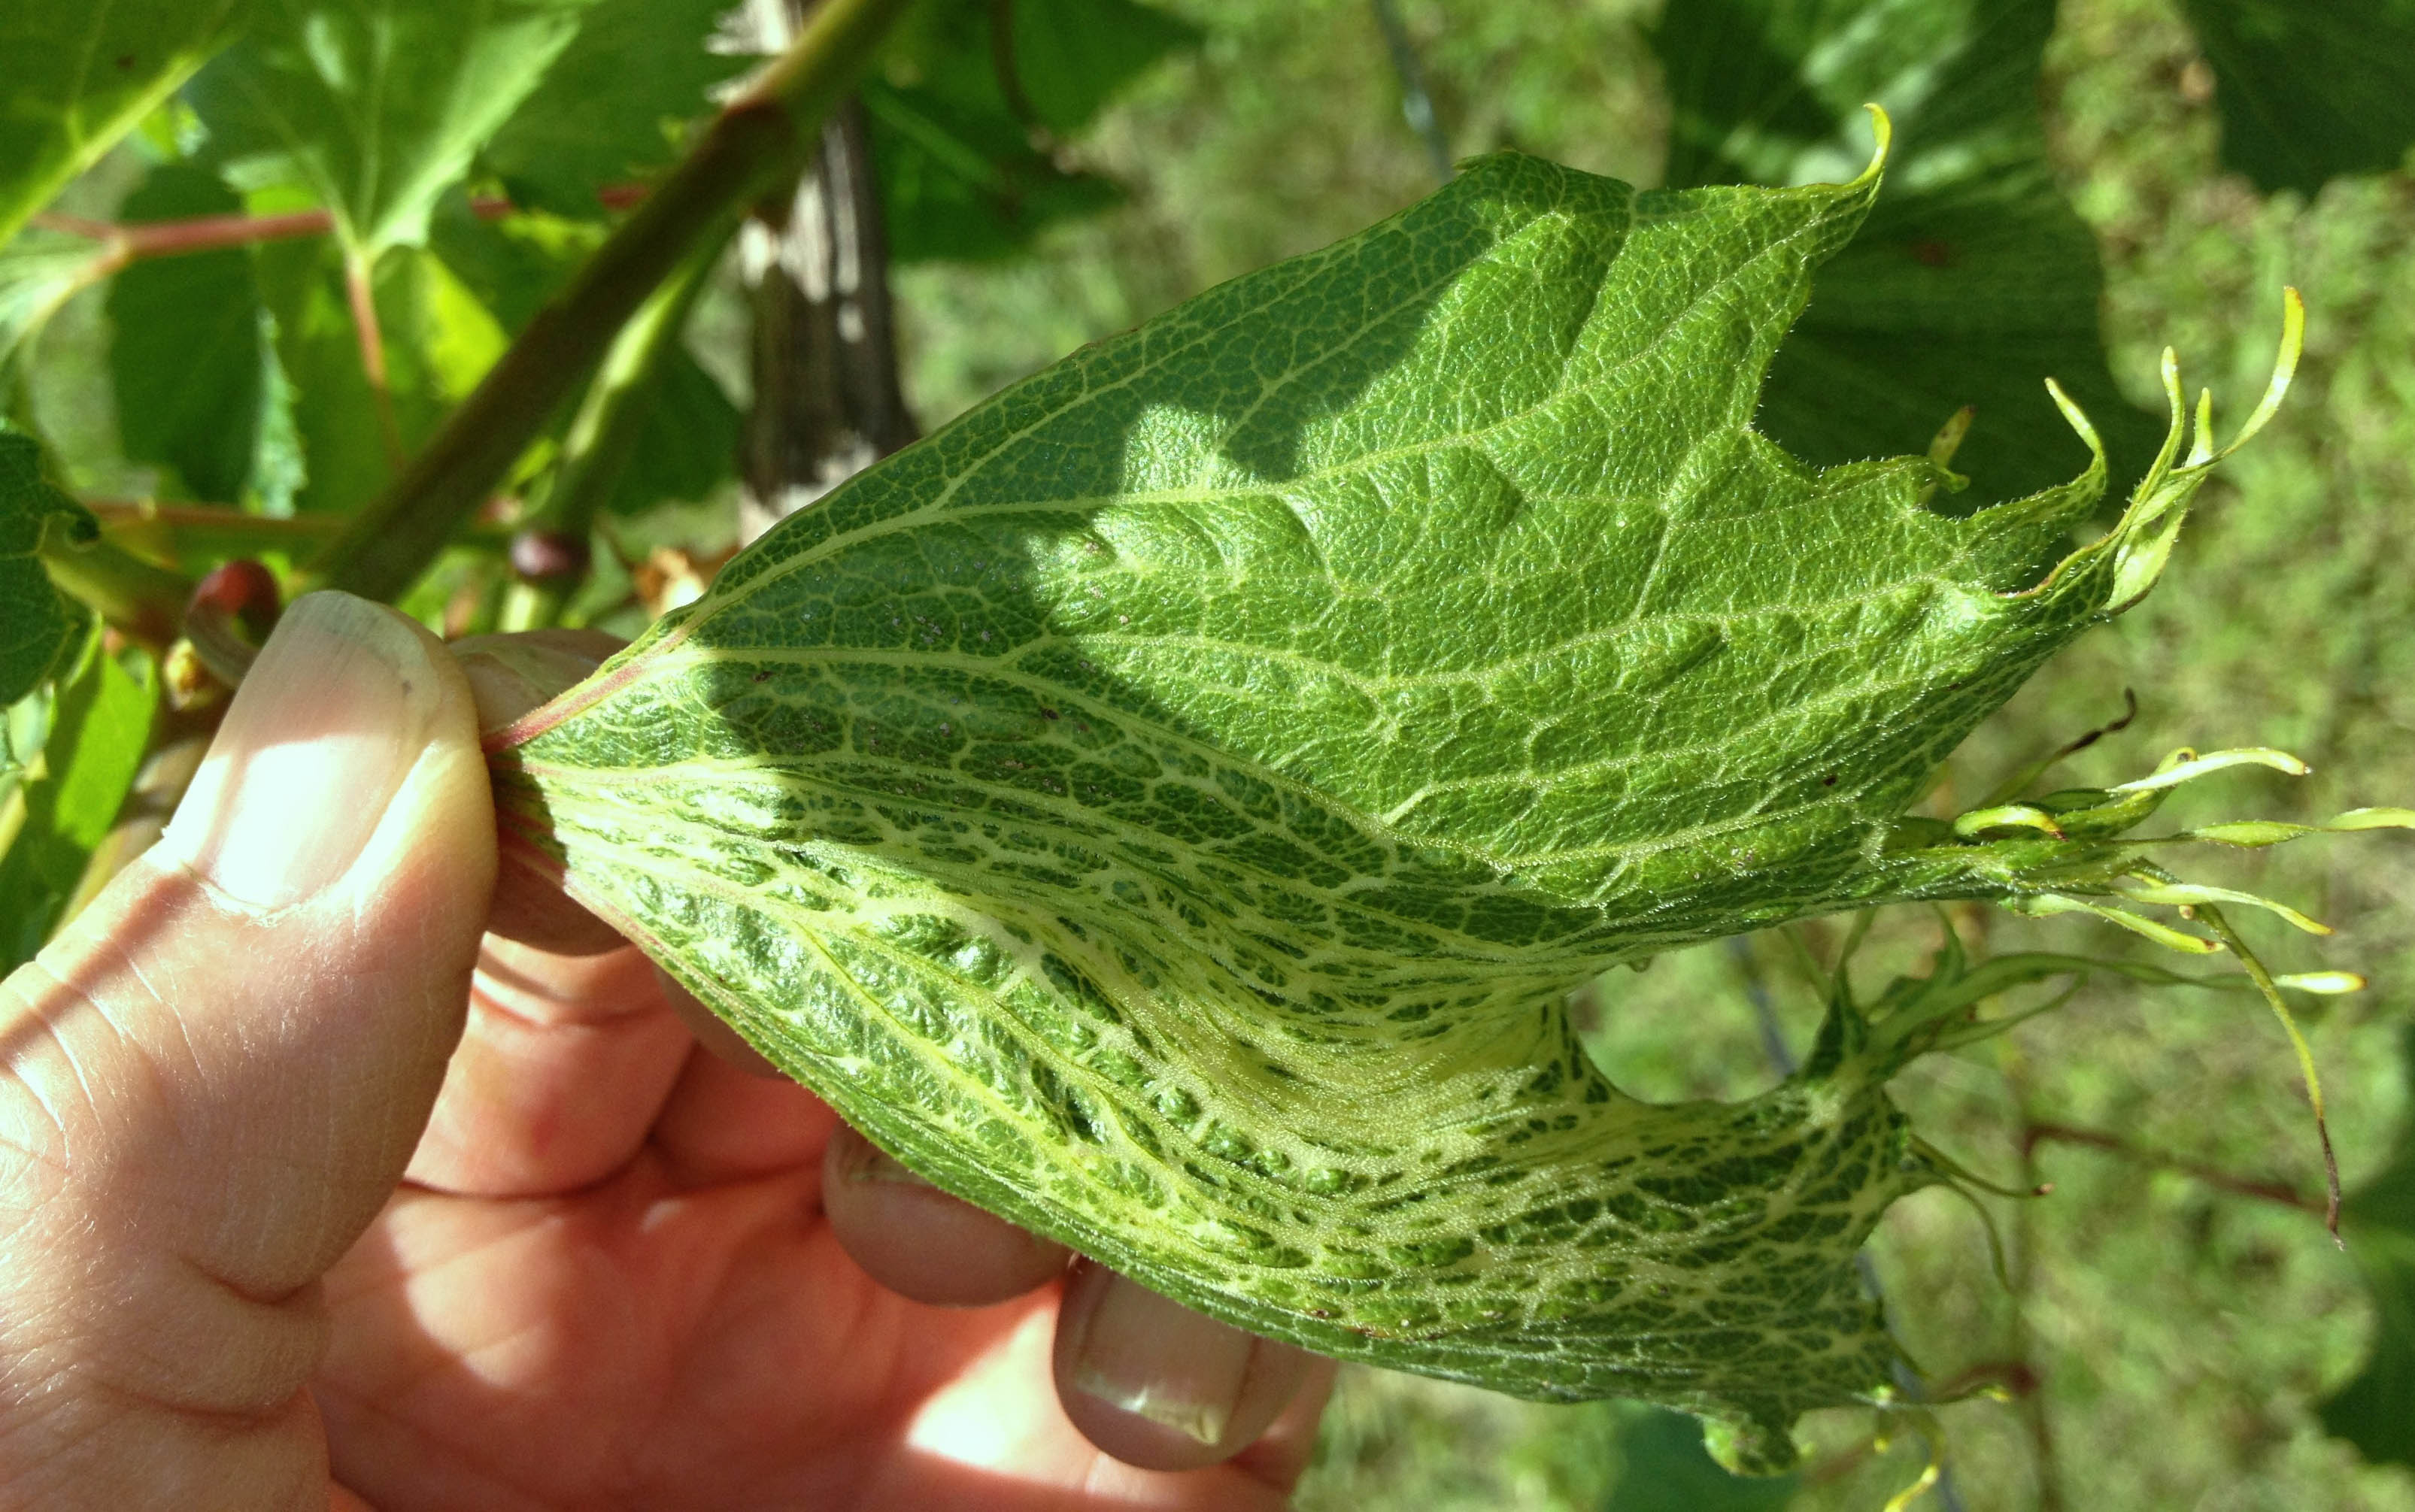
{"x": 1170, "y": 806}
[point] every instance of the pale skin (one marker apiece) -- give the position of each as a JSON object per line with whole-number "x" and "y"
{"x": 315, "y": 1191}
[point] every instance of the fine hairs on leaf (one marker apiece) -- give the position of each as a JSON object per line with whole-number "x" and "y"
{"x": 1170, "y": 806}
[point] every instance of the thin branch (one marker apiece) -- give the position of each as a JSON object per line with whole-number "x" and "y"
{"x": 762, "y": 133}
{"x": 144, "y": 602}
{"x": 134, "y": 514}
{"x": 132, "y": 241}
{"x": 1416, "y": 103}
{"x": 2258, "y": 1186}
{"x": 1010, "y": 77}
{"x": 360, "y": 294}
{"x": 195, "y": 233}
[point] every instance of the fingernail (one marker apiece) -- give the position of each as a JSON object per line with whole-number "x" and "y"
{"x": 1157, "y": 1359}
{"x": 709, "y": 1030}
{"x": 861, "y": 1160}
{"x": 328, "y": 722}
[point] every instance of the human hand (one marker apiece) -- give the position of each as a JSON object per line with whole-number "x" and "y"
{"x": 311, "y": 1196}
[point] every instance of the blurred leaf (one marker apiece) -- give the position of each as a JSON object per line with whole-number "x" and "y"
{"x": 512, "y": 264}
{"x": 376, "y": 106}
{"x": 39, "y": 272}
{"x": 2310, "y": 91}
{"x": 442, "y": 322}
{"x": 72, "y": 794}
{"x": 609, "y": 109}
{"x": 1070, "y": 56}
{"x": 334, "y": 416}
{"x": 2375, "y": 1411}
{"x": 1664, "y": 1468}
{"x": 687, "y": 441}
{"x": 190, "y": 355}
{"x": 1973, "y": 279}
{"x": 37, "y": 623}
{"x": 959, "y": 181}
{"x": 440, "y": 339}
{"x": 81, "y": 73}
{"x": 961, "y": 174}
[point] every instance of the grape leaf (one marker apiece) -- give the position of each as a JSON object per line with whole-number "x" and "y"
{"x": 1070, "y": 57}
{"x": 1171, "y": 805}
{"x": 39, "y": 625}
{"x": 954, "y": 118}
{"x": 440, "y": 339}
{"x": 1662, "y": 1467}
{"x": 191, "y": 356}
{"x": 1973, "y": 278}
{"x": 2309, "y": 92}
{"x": 687, "y": 440}
{"x": 608, "y": 107}
{"x": 375, "y": 106}
{"x": 81, "y": 73}
{"x": 958, "y": 181}
{"x": 2375, "y": 1411}
{"x": 99, "y": 727}
{"x": 514, "y": 263}
{"x": 39, "y": 272}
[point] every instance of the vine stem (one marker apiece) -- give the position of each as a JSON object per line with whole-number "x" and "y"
{"x": 139, "y": 599}
{"x": 131, "y": 242}
{"x": 1417, "y": 102}
{"x": 361, "y": 294}
{"x": 2221, "y": 1180}
{"x": 758, "y": 136}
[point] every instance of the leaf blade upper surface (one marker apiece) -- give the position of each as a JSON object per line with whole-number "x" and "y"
{"x": 1170, "y": 805}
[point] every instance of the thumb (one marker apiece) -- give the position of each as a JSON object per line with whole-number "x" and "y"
{"x": 211, "y": 1082}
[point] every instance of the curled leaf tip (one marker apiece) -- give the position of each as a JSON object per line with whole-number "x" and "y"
{"x": 2008, "y": 816}
{"x": 2201, "y": 436}
{"x": 2072, "y": 413}
{"x": 2186, "y": 765}
{"x": 1883, "y": 135}
{"x": 2268, "y": 985}
{"x": 2285, "y": 367}
{"x": 1933, "y": 1437}
{"x": 2374, "y": 818}
{"x": 2324, "y": 983}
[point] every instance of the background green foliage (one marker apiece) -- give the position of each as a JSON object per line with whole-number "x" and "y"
{"x": 80, "y": 75}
